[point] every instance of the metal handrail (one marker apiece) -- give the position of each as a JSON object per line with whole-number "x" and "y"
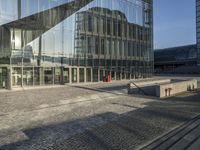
{"x": 140, "y": 89}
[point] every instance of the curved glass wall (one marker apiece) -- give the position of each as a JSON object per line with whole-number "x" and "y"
{"x": 11, "y": 10}
{"x": 198, "y": 30}
{"x": 113, "y": 36}
{"x": 8, "y": 11}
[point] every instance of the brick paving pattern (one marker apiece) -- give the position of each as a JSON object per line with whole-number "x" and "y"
{"x": 186, "y": 136}
{"x": 98, "y": 116}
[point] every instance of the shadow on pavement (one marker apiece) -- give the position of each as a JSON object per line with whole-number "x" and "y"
{"x": 110, "y": 130}
{"x": 116, "y": 90}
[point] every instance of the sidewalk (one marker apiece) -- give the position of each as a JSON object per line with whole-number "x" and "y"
{"x": 184, "y": 137}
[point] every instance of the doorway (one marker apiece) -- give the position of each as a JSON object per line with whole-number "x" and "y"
{"x": 3, "y": 77}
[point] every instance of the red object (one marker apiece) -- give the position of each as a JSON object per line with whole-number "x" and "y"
{"x": 108, "y": 78}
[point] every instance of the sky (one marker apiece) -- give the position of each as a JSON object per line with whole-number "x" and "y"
{"x": 174, "y": 23}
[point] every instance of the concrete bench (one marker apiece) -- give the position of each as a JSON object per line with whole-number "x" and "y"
{"x": 162, "y": 88}
{"x": 148, "y": 86}
{"x": 166, "y": 90}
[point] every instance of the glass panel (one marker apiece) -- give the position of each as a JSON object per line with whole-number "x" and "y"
{"x": 48, "y": 76}
{"x": 28, "y": 76}
{"x": 33, "y": 6}
{"x": 95, "y": 75}
{"x": 118, "y": 75}
{"x": 128, "y": 75}
{"x": 123, "y": 75}
{"x": 88, "y": 75}
{"x": 8, "y": 11}
{"x": 3, "y": 78}
{"x": 112, "y": 75}
{"x": 74, "y": 75}
{"x": 37, "y": 76}
{"x": 81, "y": 75}
{"x": 66, "y": 75}
{"x": 17, "y": 40}
{"x": 101, "y": 75}
{"x": 88, "y": 34}
{"x": 16, "y": 76}
{"x": 57, "y": 75}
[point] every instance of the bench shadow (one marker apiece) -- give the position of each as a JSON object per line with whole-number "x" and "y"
{"x": 112, "y": 90}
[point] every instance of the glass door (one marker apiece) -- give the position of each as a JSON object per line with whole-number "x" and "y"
{"x": 57, "y": 75}
{"x": 88, "y": 74}
{"x": 66, "y": 75}
{"x": 48, "y": 76}
{"x": 81, "y": 75}
{"x": 74, "y": 75}
{"x": 16, "y": 77}
{"x": 3, "y": 78}
{"x": 101, "y": 75}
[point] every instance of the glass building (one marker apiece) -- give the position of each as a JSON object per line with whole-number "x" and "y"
{"x": 49, "y": 42}
{"x": 198, "y": 30}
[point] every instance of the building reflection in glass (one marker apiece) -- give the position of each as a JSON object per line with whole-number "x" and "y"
{"x": 69, "y": 41}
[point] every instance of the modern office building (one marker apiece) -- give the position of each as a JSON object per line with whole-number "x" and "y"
{"x": 48, "y": 42}
{"x": 180, "y": 60}
{"x": 198, "y": 30}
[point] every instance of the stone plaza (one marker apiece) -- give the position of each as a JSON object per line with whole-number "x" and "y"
{"x": 92, "y": 116}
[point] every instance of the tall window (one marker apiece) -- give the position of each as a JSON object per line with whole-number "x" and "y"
{"x": 119, "y": 29}
{"x": 108, "y": 26}
{"x": 8, "y": 11}
{"x": 89, "y": 23}
{"x": 95, "y": 23}
{"x": 102, "y": 46}
{"x": 101, "y": 25}
{"x": 115, "y": 31}
{"x": 96, "y": 45}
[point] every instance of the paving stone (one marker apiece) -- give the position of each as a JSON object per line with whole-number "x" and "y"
{"x": 180, "y": 138}
{"x": 100, "y": 116}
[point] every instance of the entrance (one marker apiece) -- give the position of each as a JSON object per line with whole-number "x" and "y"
{"x": 66, "y": 75}
{"x": 3, "y": 78}
{"x": 16, "y": 77}
{"x": 74, "y": 75}
{"x": 102, "y": 76}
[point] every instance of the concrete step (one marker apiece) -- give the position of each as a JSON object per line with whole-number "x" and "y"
{"x": 181, "y": 138}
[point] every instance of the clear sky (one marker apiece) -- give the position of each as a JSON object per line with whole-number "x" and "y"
{"x": 174, "y": 23}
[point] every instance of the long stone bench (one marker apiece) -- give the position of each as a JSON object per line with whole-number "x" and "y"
{"x": 147, "y": 86}
{"x": 166, "y": 90}
{"x": 162, "y": 88}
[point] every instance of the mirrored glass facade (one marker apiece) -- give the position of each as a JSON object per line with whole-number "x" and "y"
{"x": 198, "y": 30}
{"x": 46, "y": 42}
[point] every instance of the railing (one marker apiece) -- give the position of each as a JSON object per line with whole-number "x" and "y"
{"x": 139, "y": 88}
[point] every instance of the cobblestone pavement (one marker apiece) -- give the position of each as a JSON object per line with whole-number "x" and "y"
{"x": 97, "y": 116}
{"x": 186, "y": 136}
